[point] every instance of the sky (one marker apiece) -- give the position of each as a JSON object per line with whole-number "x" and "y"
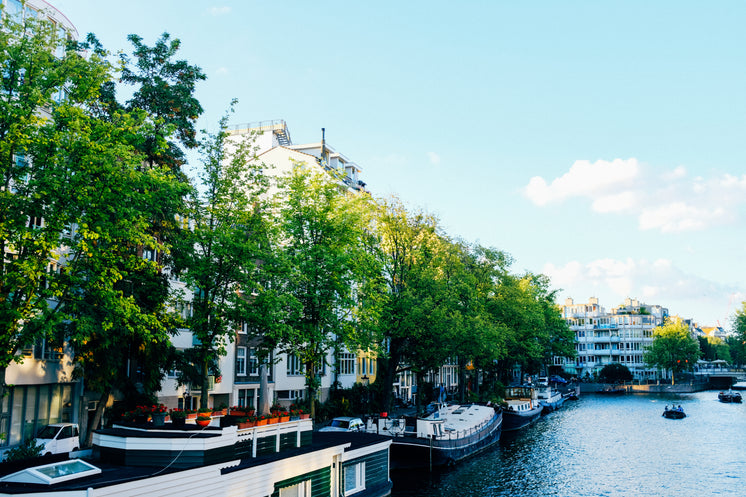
{"x": 599, "y": 143}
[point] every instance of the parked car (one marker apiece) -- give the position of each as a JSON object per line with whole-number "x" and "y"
{"x": 58, "y": 438}
{"x": 344, "y": 423}
{"x": 557, "y": 379}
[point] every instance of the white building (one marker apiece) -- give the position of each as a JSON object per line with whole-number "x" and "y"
{"x": 240, "y": 381}
{"x": 619, "y": 336}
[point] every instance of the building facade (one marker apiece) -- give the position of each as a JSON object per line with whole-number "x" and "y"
{"x": 619, "y": 336}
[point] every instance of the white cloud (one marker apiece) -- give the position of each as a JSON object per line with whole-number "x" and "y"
{"x": 434, "y": 158}
{"x": 220, "y": 11}
{"x": 668, "y": 201}
{"x": 221, "y": 71}
{"x": 584, "y": 179}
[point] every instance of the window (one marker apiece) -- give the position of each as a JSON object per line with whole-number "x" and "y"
{"x": 253, "y": 362}
{"x": 294, "y": 365}
{"x": 241, "y": 361}
{"x": 346, "y": 363}
{"x": 354, "y": 478}
{"x": 302, "y": 489}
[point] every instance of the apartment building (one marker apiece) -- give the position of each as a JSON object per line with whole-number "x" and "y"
{"x": 240, "y": 381}
{"x": 619, "y": 336}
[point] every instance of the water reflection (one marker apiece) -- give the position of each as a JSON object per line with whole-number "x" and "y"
{"x": 607, "y": 446}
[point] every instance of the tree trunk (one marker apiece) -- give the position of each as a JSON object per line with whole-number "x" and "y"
{"x": 389, "y": 373}
{"x": 205, "y": 383}
{"x": 461, "y": 380}
{"x": 97, "y": 415}
{"x": 263, "y": 404}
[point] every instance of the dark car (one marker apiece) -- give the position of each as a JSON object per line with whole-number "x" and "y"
{"x": 557, "y": 379}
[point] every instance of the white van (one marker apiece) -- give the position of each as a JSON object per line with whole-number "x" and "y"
{"x": 58, "y": 438}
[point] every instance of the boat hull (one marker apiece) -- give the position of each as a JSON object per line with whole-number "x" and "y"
{"x": 674, "y": 414}
{"x": 412, "y": 452}
{"x": 515, "y": 420}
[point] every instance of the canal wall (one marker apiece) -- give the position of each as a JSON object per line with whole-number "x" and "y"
{"x": 688, "y": 387}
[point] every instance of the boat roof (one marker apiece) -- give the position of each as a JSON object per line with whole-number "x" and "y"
{"x": 112, "y": 474}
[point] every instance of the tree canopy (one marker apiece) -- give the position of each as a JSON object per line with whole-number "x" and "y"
{"x": 673, "y": 348}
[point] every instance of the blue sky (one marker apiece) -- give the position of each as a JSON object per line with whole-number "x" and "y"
{"x": 600, "y": 143}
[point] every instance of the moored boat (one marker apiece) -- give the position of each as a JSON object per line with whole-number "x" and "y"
{"x": 446, "y": 436}
{"x": 730, "y": 397}
{"x": 550, "y": 398}
{"x": 216, "y": 461}
{"x": 523, "y": 407}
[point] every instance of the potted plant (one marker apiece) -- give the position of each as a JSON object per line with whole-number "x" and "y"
{"x": 204, "y": 416}
{"x": 284, "y": 416}
{"x": 158, "y": 413}
{"x": 261, "y": 420}
{"x": 178, "y": 417}
{"x": 239, "y": 411}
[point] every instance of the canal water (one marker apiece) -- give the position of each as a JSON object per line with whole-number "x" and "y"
{"x": 606, "y": 446}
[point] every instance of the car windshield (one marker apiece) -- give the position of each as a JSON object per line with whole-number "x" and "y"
{"x": 338, "y": 423}
{"x": 48, "y": 432}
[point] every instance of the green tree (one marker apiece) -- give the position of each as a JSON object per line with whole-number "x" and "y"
{"x": 615, "y": 373}
{"x": 223, "y": 241}
{"x": 714, "y": 348}
{"x": 34, "y": 198}
{"x": 325, "y": 265}
{"x": 409, "y": 244}
{"x": 673, "y": 348}
{"x": 478, "y": 340}
{"x": 164, "y": 89}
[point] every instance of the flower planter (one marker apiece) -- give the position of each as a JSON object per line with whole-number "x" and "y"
{"x": 284, "y": 419}
{"x": 159, "y": 418}
{"x": 203, "y": 422}
{"x": 305, "y": 416}
{"x": 261, "y": 422}
{"x": 248, "y": 424}
{"x": 240, "y": 414}
{"x": 191, "y": 415}
{"x": 178, "y": 422}
{"x": 273, "y": 421}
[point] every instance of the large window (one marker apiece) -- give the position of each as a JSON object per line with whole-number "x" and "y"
{"x": 346, "y": 363}
{"x": 241, "y": 361}
{"x": 354, "y": 478}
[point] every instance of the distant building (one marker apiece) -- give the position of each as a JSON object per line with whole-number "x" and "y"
{"x": 619, "y": 336}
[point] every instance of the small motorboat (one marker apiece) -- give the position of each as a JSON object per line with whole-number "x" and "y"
{"x": 674, "y": 413}
{"x": 729, "y": 396}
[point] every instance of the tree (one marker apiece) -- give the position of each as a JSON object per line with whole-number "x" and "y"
{"x": 165, "y": 91}
{"x": 478, "y": 341}
{"x": 714, "y": 348}
{"x": 673, "y": 348}
{"x": 224, "y": 238}
{"x": 325, "y": 263}
{"x": 615, "y": 373}
{"x": 35, "y": 209}
{"x": 406, "y": 325}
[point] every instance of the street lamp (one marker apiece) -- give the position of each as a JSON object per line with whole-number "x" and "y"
{"x": 366, "y": 382}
